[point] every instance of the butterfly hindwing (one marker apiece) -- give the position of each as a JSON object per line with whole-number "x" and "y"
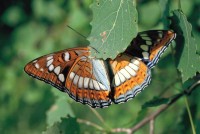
{"x": 131, "y": 76}
{"x": 149, "y": 45}
{"x": 88, "y": 82}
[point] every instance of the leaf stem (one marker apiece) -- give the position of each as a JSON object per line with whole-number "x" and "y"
{"x": 98, "y": 116}
{"x": 189, "y": 114}
{"x": 86, "y": 122}
{"x": 179, "y": 5}
{"x": 151, "y": 130}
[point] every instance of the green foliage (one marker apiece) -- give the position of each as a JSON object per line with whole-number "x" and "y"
{"x": 60, "y": 109}
{"x": 187, "y": 60}
{"x": 13, "y": 15}
{"x": 30, "y": 29}
{"x": 68, "y": 126}
{"x": 144, "y": 10}
{"x": 156, "y": 101}
{"x": 114, "y": 25}
{"x": 41, "y": 10}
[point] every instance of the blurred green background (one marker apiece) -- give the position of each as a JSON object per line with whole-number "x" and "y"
{"x": 32, "y": 28}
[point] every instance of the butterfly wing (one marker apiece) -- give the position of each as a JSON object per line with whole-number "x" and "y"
{"x": 87, "y": 80}
{"x": 89, "y": 83}
{"x": 131, "y": 76}
{"x": 149, "y": 45}
{"x": 73, "y": 72}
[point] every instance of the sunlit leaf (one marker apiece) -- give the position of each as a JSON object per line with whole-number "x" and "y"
{"x": 53, "y": 129}
{"x": 187, "y": 61}
{"x": 114, "y": 25}
{"x": 60, "y": 109}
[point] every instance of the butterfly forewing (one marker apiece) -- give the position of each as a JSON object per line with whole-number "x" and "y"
{"x": 53, "y": 68}
{"x": 73, "y": 72}
{"x": 149, "y": 45}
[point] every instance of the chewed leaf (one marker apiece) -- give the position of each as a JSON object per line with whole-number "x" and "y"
{"x": 114, "y": 25}
{"x": 187, "y": 60}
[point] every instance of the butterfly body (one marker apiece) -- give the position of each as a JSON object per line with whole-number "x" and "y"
{"x": 96, "y": 82}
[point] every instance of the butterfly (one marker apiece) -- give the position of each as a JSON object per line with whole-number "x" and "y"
{"x": 97, "y": 82}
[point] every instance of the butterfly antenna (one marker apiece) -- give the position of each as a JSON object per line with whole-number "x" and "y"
{"x": 82, "y": 36}
{"x": 76, "y": 31}
{"x": 94, "y": 49}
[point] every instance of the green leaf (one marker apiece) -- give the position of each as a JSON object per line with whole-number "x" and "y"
{"x": 187, "y": 61}
{"x": 197, "y": 37}
{"x": 70, "y": 126}
{"x": 155, "y": 102}
{"x": 53, "y": 129}
{"x": 67, "y": 126}
{"x": 60, "y": 109}
{"x": 114, "y": 25}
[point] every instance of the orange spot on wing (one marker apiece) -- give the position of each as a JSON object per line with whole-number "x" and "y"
{"x": 132, "y": 82}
